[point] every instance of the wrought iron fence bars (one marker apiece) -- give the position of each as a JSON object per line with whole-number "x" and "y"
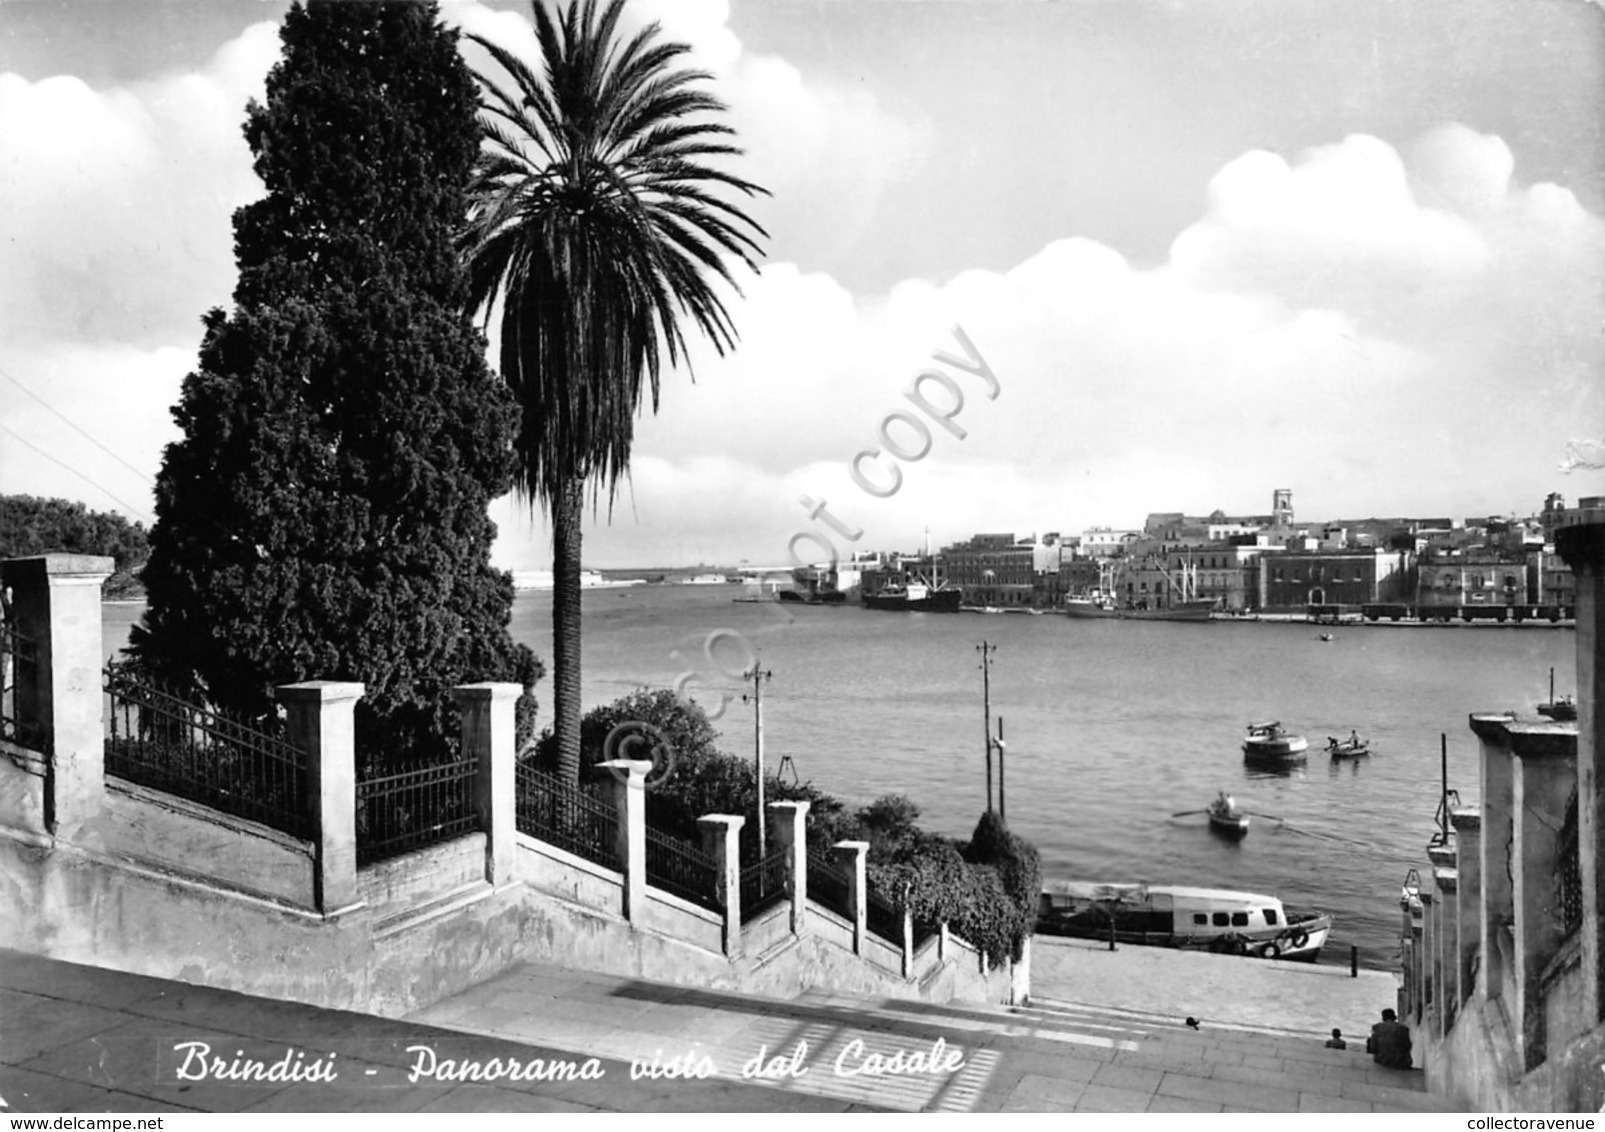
{"x": 559, "y": 814}
{"x": 159, "y": 740}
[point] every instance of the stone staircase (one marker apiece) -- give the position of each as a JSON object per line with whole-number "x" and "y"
{"x": 1048, "y": 1057}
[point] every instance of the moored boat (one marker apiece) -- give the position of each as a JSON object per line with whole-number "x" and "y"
{"x": 1352, "y": 747}
{"x": 1208, "y": 919}
{"x": 914, "y": 599}
{"x": 1101, "y": 605}
{"x": 1270, "y": 742}
{"x": 1560, "y": 710}
{"x": 1226, "y": 818}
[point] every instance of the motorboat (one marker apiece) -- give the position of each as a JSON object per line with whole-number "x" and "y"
{"x": 1270, "y": 742}
{"x": 1206, "y": 919}
{"x": 1226, "y": 818}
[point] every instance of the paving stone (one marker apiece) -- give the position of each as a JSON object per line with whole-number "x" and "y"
{"x": 26, "y": 1091}
{"x": 1106, "y": 1098}
{"x": 1261, "y": 1078}
{"x": 1159, "y": 1103}
{"x": 1054, "y": 1090}
{"x": 35, "y": 1024}
{"x": 465, "y": 1098}
{"x": 1227, "y": 1092}
{"x": 1391, "y": 1095}
{"x": 1128, "y": 1077}
{"x": 1311, "y": 1102}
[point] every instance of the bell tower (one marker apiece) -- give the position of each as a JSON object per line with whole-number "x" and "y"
{"x": 1282, "y": 506}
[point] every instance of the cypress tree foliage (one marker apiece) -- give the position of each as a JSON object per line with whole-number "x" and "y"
{"x": 325, "y": 514}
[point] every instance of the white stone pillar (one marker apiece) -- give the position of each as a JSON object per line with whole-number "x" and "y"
{"x": 321, "y": 724}
{"x": 791, "y": 833}
{"x": 851, "y": 854}
{"x": 629, "y": 798}
{"x": 1498, "y": 897}
{"x": 1468, "y": 895}
{"x": 1545, "y": 757}
{"x": 721, "y": 840}
{"x": 487, "y": 723}
{"x": 56, "y": 603}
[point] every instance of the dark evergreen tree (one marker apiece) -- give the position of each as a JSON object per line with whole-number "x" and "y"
{"x": 325, "y": 514}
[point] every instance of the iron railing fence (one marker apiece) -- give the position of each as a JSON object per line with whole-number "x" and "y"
{"x": 1568, "y": 872}
{"x": 568, "y": 817}
{"x": 680, "y": 868}
{"x": 160, "y": 740}
{"x": 411, "y": 809}
{"x": 829, "y": 886}
{"x": 763, "y": 883}
{"x": 882, "y": 918}
{"x": 17, "y": 652}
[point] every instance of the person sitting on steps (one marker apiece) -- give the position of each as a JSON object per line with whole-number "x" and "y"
{"x": 1389, "y": 1043}
{"x": 1336, "y": 1040}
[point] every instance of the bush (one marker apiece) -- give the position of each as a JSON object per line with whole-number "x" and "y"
{"x": 986, "y": 890}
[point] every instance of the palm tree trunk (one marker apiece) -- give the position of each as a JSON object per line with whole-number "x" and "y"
{"x": 567, "y": 515}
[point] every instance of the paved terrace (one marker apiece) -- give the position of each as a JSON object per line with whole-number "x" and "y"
{"x": 81, "y": 1039}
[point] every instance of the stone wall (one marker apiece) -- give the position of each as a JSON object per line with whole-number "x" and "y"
{"x": 101, "y": 871}
{"x": 1503, "y": 955}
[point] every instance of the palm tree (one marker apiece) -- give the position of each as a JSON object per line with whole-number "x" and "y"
{"x": 599, "y": 230}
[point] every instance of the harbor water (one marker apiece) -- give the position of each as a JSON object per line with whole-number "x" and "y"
{"x": 1111, "y": 727}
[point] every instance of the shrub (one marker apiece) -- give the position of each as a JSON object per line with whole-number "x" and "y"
{"x": 986, "y": 890}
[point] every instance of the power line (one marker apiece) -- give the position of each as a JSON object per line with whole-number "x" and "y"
{"x": 100, "y": 487}
{"x": 70, "y": 424}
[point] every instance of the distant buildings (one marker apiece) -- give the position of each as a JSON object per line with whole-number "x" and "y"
{"x": 1268, "y": 562}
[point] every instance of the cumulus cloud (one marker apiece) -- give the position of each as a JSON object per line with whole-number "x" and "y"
{"x": 1328, "y": 318}
{"x": 118, "y": 201}
{"x": 1331, "y": 317}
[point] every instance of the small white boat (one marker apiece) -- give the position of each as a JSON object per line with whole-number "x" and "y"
{"x": 1270, "y": 741}
{"x": 1210, "y": 919}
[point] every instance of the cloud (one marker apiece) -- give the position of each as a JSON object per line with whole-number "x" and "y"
{"x": 118, "y": 201}
{"x": 813, "y": 144}
{"x": 1328, "y": 321}
{"x": 1389, "y": 327}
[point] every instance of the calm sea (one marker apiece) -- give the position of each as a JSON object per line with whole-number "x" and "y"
{"x": 1111, "y": 726}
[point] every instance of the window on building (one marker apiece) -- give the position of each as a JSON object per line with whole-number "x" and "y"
{"x": 1476, "y": 581}
{"x": 1447, "y": 582}
{"x": 1359, "y": 574}
{"x": 1221, "y": 920}
{"x": 1278, "y": 575}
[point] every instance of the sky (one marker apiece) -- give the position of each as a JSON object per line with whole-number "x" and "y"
{"x": 1200, "y": 250}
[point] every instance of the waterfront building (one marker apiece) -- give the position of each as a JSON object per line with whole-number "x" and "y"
{"x": 1296, "y": 579}
{"x": 994, "y": 569}
{"x": 1454, "y": 581}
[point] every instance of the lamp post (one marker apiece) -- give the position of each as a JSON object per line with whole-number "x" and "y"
{"x": 986, "y": 649}
{"x": 758, "y": 676}
{"x": 1003, "y": 798}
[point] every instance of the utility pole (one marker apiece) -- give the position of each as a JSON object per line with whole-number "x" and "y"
{"x": 758, "y": 676}
{"x": 986, "y": 649}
